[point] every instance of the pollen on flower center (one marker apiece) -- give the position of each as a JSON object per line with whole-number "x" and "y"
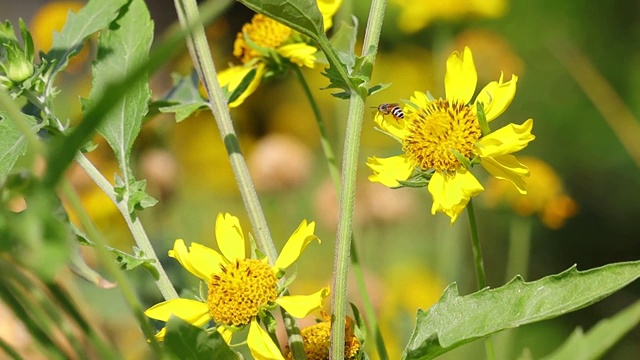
{"x": 237, "y": 293}
{"x": 439, "y": 130}
{"x": 316, "y": 340}
{"x": 262, "y": 31}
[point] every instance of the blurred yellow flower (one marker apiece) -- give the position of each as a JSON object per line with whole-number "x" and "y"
{"x": 52, "y": 17}
{"x": 400, "y": 302}
{"x": 267, "y": 46}
{"x": 545, "y": 195}
{"x": 445, "y": 136}
{"x": 238, "y": 287}
{"x": 316, "y": 340}
{"x": 416, "y": 15}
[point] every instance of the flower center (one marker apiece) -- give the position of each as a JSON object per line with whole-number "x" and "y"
{"x": 238, "y": 292}
{"x": 437, "y": 132}
{"x": 316, "y": 340}
{"x": 264, "y": 32}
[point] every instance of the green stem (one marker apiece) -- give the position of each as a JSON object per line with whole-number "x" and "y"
{"x": 345, "y": 226}
{"x": 480, "y": 275}
{"x": 475, "y": 246}
{"x": 133, "y": 222}
{"x": 347, "y": 191}
{"x": 519, "y": 246}
{"x": 367, "y": 304}
{"x": 201, "y": 56}
{"x": 335, "y": 176}
{"x": 322, "y": 128}
{"x": 517, "y": 264}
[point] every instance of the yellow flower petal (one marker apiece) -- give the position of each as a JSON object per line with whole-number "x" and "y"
{"x": 394, "y": 128}
{"x": 229, "y": 237}
{"x": 388, "y": 171}
{"x": 261, "y": 345}
{"x": 419, "y": 98}
{"x": 232, "y": 77}
{"x": 452, "y": 193}
{"x": 497, "y": 96}
{"x": 192, "y": 311}
{"x": 460, "y": 78}
{"x": 328, "y": 8}
{"x": 300, "y": 54}
{"x": 302, "y": 305}
{"x": 161, "y": 334}
{"x": 296, "y": 244}
{"x": 506, "y": 140}
{"x": 199, "y": 260}
{"x": 225, "y": 333}
{"x": 507, "y": 167}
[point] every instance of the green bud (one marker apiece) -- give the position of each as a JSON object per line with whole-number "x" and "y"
{"x": 16, "y": 63}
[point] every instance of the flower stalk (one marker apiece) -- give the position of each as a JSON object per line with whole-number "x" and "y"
{"x": 479, "y": 264}
{"x": 347, "y": 190}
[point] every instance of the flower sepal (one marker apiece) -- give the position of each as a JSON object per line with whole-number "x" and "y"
{"x": 418, "y": 179}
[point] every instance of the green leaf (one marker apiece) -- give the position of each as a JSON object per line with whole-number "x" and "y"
{"x": 126, "y": 260}
{"x": 344, "y": 42}
{"x": 595, "y": 343}
{"x": 12, "y": 143}
{"x": 95, "y": 16}
{"x": 243, "y": 86}
{"x": 455, "y": 320}
{"x": 377, "y": 88}
{"x": 123, "y": 48}
{"x": 187, "y": 342}
{"x": 300, "y": 15}
{"x": 134, "y": 192}
{"x": 183, "y": 111}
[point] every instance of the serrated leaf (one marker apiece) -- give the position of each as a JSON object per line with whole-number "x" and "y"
{"x": 183, "y": 111}
{"x": 187, "y": 342}
{"x": 12, "y": 143}
{"x": 300, "y": 15}
{"x": 377, "y": 88}
{"x": 122, "y": 49}
{"x": 595, "y": 343}
{"x": 455, "y": 320}
{"x": 129, "y": 262}
{"x": 95, "y": 16}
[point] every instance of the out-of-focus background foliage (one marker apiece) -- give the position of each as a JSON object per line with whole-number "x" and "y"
{"x": 577, "y": 63}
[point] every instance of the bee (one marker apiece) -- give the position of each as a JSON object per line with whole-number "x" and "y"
{"x": 392, "y": 109}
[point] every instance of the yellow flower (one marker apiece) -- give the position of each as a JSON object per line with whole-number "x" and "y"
{"x": 545, "y": 195}
{"x": 238, "y": 287}
{"x": 416, "y": 15}
{"x": 316, "y": 340}
{"x": 445, "y": 136}
{"x": 264, "y": 44}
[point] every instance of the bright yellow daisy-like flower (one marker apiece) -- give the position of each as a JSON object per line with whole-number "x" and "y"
{"x": 266, "y": 45}
{"x": 316, "y": 340}
{"x": 238, "y": 287}
{"x": 445, "y": 136}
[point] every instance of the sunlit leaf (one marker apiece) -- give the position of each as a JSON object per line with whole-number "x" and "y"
{"x": 455, "y": 320}
{"x": 123, "y": 49}
{"x": 95, "y": 16}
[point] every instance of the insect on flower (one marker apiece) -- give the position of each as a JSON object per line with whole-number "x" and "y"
{"x": 392, "y": 109}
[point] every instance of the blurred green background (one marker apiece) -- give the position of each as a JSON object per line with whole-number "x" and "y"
{"x": 574, "y": 60}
